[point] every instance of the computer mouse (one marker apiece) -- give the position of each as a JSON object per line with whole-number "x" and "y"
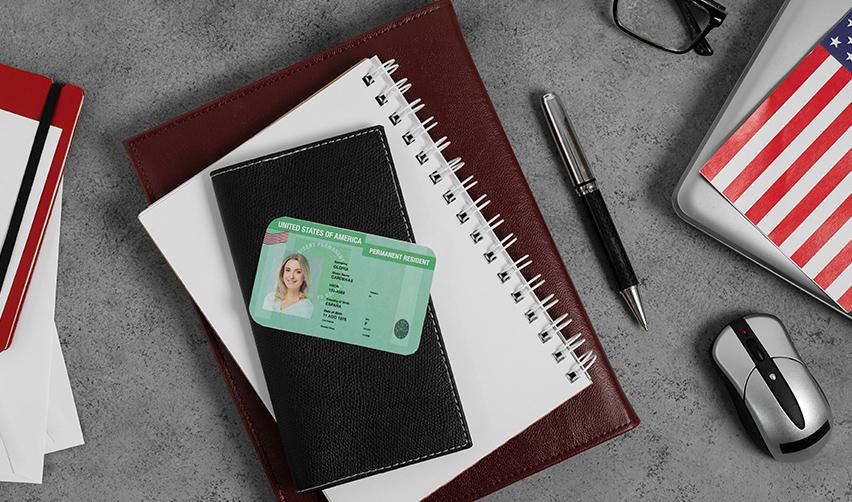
{"x": 779, "y": 402}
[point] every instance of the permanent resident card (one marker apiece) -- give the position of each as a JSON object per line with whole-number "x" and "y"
{"x": 342, "y": 285}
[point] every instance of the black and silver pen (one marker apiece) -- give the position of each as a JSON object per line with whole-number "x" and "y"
{"x": 587, "y": 189}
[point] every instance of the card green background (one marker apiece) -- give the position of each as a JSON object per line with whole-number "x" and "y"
{"x": 387, "y": 295}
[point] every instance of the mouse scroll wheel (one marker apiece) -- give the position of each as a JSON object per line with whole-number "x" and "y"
{"x": 756, "y": 352}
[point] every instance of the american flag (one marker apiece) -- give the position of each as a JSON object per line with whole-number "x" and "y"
{"x": 787, "y": 166}
{"x": 275, "y": 238}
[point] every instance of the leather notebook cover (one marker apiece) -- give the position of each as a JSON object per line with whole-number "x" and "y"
{"x": 344, "y": 411}
{"x": 429, "y": 43}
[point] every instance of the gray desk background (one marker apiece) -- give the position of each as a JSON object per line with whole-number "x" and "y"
{"x": 158, "y": 420}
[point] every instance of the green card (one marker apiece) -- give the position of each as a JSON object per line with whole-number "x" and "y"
{"x": 342, "y": 285}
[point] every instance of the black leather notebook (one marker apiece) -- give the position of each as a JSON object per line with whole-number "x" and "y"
{"x": 344, "y": 411}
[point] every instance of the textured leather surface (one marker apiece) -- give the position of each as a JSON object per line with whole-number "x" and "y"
{"x": 432, "y": 53}
{"x": 345, "y": 411}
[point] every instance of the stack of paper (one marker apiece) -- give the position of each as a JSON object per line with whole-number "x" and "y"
{"x": 37, "y": 411}
{"x": 497, "y": 403}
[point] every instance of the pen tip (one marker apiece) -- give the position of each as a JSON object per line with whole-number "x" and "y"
{"x": 631, "y": 297}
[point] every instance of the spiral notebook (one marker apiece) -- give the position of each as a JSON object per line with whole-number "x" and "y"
{"x": 514, "y": 355}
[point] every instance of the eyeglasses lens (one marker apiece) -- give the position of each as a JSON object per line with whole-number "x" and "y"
{"x": 672, "y": 24}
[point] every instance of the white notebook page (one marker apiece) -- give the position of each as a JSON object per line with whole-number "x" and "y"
{"x": 507, "y": 379}
{"x": 17, "y": 134}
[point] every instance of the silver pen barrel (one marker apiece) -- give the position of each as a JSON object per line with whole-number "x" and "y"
{"x": 566, "y": 142}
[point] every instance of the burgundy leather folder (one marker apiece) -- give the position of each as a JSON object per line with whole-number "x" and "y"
{"x": 432, "y": 54}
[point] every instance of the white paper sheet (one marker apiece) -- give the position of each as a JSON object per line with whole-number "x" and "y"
{"x": 37, "y": 410}
{"x": 25, "y": 371}
{"x": 16, "y": 137}
{"x": 63, "y": 423}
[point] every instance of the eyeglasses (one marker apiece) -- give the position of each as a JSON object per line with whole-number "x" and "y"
{"x": 677, "y": 26}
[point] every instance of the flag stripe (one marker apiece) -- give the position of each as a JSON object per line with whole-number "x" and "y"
{"x": 837, "y": 265}
{"x": 828, "y": 228}
{"x": 795, "y": 149}
{"x": 841, "y": 284}
{"x": 787, "y": 134}
{"x": 829, "y": 250}
{"x": 766, "y": 110}
{"x": 813, "y": 199}
{"x": 275, "y": 238}
{"x": 845, "y": 301}
{"x": 809, "y": 191}
{"x": 775, "y": 123}
{"x": 800, "y": 166}
{"x": 819, "y": 214}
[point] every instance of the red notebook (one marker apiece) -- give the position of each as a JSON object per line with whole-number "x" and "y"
{"x": 429, "y": 43}
{"x": 37, "y": 121}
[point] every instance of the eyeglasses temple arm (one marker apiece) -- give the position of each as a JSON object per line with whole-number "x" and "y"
{"x": 701, "y": 47}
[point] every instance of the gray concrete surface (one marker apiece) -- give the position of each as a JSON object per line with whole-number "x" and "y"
{"x": 158, "y": 420}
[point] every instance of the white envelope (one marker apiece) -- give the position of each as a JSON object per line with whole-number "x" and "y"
{"x": 63, "y": 423}
{"x": 32, "y": 374}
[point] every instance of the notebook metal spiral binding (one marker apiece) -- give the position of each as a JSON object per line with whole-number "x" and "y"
{"x": 484, "y": 230}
